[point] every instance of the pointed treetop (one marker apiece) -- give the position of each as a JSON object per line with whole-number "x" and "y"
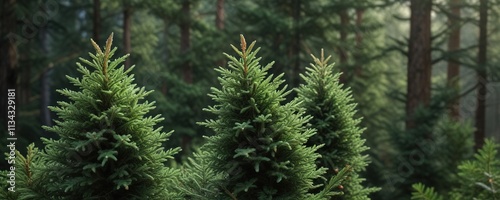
{"x": 105, "y": 55}
{"x": 243, "y": 45}
{"x": 321, "y": 61}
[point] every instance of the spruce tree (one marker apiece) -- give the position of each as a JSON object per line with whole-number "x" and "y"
{"x": 108, "y": 148}
{"x": 332, "y": 110}
{"x": 259, "y": 143}
{"x": 29, "y": 182}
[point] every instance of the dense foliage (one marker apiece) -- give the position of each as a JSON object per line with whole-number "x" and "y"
{"x": 259, "y": 144}
{"x": 108, "y": 147}
{"x": 333, "y": 116}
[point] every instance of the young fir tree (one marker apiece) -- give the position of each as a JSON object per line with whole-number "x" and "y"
{"x": 477, "y": 178}
{"x": 108, "y": 148}
{"x": 29, "y": 182}
{"x": 259, "y": 144}
{"x": 332, "y": 110}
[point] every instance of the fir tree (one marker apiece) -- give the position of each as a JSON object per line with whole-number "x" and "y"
{"x": 29, "y": 182}
{"x": 477, "y": 178}
{"x": 332, "y": 110}
{"x": 108, "y": 148}
{"x": 259, "y": 144}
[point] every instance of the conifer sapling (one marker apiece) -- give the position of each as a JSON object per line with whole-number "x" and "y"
{"x": 332, "y": 110}
{"x": 108, "y": 148}
{"x": 259, "y": 144}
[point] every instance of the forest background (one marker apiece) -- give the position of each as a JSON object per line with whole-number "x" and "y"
{"x": 419, "y": 70}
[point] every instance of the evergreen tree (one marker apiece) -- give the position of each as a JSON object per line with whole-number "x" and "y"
{"x": 333, "y": 111}
{"x": 259, "y": 144}
{"x": 478, "y": 178}
{"x": 29, "y": 182}
{"x": 108, "y": 148}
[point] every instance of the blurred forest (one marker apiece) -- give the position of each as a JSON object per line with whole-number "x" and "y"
{"x": 424, "y": 73}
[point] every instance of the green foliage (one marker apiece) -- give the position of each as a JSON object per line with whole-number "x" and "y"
{"x": 333, "y": 111}
{"x": 108, "y": 147}
{"x": 430, "y": 152}
{"x": 259, "y": 144}
{"x": 198, "y": 180}
{"x": 479, "y": 178}
{"x": 29, "y": 182}
{"x": 424, "y": 193}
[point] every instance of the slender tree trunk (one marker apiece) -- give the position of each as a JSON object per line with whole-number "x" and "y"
{"x": 8, "y": 56}
{"x": 96, "y": 19}
{"x": 419, "y": 59}
{"x": 45, "y": 78}
{"x": 219, "y": 17}
{"x": 343, "y": 57}
{"x": 164, "y": 87}
{"x": 359, "y": 39}
{"x": 295, "y": 48}
{"x": 45, "y": 97}
{"x": 187, "y": 69}
{"x": 481, "y": 76}
{"x": 127, "y": 22}
{"x": 453, "y": 65}
{"x": 219, "y": 23}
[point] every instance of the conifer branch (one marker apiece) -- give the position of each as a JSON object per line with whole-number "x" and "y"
{"x": 96, "y": 47}
{"x": 229, "y": 193}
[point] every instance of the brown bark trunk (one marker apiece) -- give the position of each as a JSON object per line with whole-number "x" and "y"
{"x": 127, "y": 22}
{"x": 219, "y": 23}
{"x": 187, "y": 69}
{"x": 219, "y": 17}
{"x": 359, "y": 39}
{"x": 164, "y": 88}
{"x": 295, "y": 48}
{"x": 453, "y": 65}
{"x": 8, "y": 56}
{"x": 419, "y": 59}
{"x": 96, "y": 19}
{"x": 344, "y": 23}
{"x": 481, "y": 75}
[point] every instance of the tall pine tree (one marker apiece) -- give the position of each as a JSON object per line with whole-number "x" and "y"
{"x": 333, "y": 112}
{"x": 259, "y": 144}
{"x": 108, "y": 148}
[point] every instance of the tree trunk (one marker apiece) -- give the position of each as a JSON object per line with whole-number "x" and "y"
{"x": 344, "y": 23}
{"x": 127, "y": 21}
{"x": 8, "y": 56}
{"x": 359, "y": 39}
{"x": 96, "y": 20}
{"x": 481, "y": 76}
{"x": 453, "y": 65}
{"x": 45, "y": 78}
{"x": 219, "y": 17}
{"x": 187, "y": 69}
{"x": 419, "y": 59}
{"x": 295, "y": 48}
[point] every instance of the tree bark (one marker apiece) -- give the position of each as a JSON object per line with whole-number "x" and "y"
{"x": 453, "y": 65}
{"x": 187, "y": 69}
{"x": 8, "y": 55}
{"x": 295, "y": 47}
{"x": 344, "y": 23}
{"x": 219, "y": 17}
{"x": 419, "y": 59}
{"x": 481, "y": 76}
{"x": 127, "y": 22}
{"x": 96, "y": 20}
{"x": 359, "y": 39}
